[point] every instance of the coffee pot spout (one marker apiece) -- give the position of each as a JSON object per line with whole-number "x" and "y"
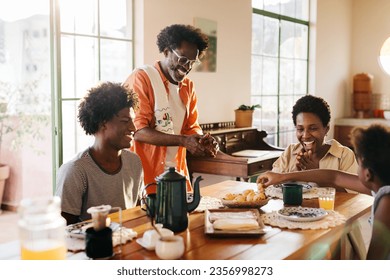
{"x": 196, "y": 196}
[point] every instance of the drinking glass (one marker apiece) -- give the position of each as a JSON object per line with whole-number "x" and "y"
{"x": 326, "y": 197}
{"x": 42, "y": 229}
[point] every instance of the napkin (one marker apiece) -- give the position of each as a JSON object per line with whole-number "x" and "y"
{"x": 236, "y": 224}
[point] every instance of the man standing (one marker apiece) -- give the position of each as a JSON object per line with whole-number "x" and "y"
{"x": 167, "y": 122}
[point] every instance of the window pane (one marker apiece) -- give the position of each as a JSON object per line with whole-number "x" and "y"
{"x": 75, "y": 140}
{"x": 257, "y": 113}
{"x": 79, "y": 65}
{"x": 286, "y": 76}
{"x": 116, "y": 60}
{"x": 287, "y": 8}
{"x": 113, "y": 19}
{"x": 286, "y": 138}
{"x": 272, "y": 6}
{"x": 287, "y": 44}
{"x": 282, "y": 47}
{"x": 271, "y": 36}
{"x": 257, "y": 71}
{"x": 270, "y": 76}
{"x": 257, "y": 33}
{"x": 302, "y": 9}
{"x": 258, "y": 4}
{"x": 25, "y": 94}
{"x": 269, "y": 113}
{"x": 301, "y": 40}
{"x": 300, "y": 77}
{"x": 79, "y": 16}
{"x": 285, "y": 117}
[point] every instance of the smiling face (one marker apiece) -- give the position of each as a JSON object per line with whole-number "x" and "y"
{"x": 310, "y": 131}
{"x": 120, "y": 129}
{"x": 171, "y": 67}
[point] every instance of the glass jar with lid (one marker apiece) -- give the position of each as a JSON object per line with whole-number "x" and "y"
{"x": 42, "y": 229}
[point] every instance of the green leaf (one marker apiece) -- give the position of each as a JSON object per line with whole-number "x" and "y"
{"x": 244, "y": 107}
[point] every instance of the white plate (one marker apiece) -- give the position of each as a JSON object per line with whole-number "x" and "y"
{"x": 140, "y": 241}
{"x": 305, "y": 187}
{"x": 302, "y": 214}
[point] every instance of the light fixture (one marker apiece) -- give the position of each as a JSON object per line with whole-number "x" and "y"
{"x": 384, "y": 57}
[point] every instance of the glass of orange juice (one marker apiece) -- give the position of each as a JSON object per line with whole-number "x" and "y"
{"x": 326, "y": 198}
{"x": 41, "y": 229}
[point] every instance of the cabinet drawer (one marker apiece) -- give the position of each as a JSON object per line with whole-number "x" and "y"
{"x": 261, "y": 166}
{"x": 233, "y": 137}
{"x": 234, "y": 147}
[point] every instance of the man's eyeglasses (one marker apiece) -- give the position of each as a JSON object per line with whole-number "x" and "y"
{"x": 183, "y": 61}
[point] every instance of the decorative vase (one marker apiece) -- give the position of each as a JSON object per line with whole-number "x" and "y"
{"x": 244, "y": 118}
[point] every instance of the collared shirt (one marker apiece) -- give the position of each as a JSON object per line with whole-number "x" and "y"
{"x": 153, "y": 157}
{"x": 338, "y": 157}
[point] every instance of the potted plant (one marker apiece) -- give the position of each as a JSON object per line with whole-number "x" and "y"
{"x": 18, "y": 117}
{"x": 244, "y": 115}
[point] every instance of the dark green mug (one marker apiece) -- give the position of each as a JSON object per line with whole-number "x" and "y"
{"x": 292, "y": 194}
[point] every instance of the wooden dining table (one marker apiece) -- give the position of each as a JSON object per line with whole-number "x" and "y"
{"x": 276, "y": 244}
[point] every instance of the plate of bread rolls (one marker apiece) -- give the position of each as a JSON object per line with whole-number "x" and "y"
{"x": 247, "y": 199}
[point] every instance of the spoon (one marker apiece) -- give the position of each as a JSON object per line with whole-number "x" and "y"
{"x": 152, "y": 222}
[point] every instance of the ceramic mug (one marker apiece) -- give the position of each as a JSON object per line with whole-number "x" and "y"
{"x": 170, "y": 247}
{"x": 292, "y": 194}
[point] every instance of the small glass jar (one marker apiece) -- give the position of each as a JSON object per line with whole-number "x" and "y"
{"x": 42, "y": 229}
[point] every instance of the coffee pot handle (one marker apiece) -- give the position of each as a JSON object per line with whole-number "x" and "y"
{"x": 149, "y": 189}
{"x": 148, "y": 199}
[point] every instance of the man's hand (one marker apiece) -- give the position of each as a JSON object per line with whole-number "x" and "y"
{"x": 193, "y": 145}
{"x": 210, "y": 144}
{"x": 201, "y": 145}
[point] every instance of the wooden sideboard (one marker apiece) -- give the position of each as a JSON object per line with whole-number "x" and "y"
{"x": 232, "y": 140}
{"x": 344, "y": 126}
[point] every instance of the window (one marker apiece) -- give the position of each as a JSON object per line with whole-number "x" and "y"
{"x": 25, "y": 98}
{"x": 280, "y": 32}
{"x": 94, "y": 43}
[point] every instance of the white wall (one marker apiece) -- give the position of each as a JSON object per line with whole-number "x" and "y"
{"x": 348, "y": 35}
{"x": 371, "y": 27}
{"x": 221, "y": 92}
{"x": 333, "y": 54}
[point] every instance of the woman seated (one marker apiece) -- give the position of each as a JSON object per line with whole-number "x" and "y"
{"x": 372, "y": 146}
{"x": 311, "y": 117}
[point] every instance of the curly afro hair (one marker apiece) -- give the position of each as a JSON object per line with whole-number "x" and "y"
{"x": 372, "y": 146}
{"x": 172, "y": 36}
{"x": 312, "y": 104}
{"x": 102, "y": 103}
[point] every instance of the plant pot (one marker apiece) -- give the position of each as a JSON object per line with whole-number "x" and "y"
{"x": 244, "y": 118}
{"x": 4, "y": 174}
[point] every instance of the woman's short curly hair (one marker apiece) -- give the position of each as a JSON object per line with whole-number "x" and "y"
{"x": 102, "y": 103}
{"x": 172, "y": 36}
{"x": 372, "y": 146}
{"x": 312, "y": 104}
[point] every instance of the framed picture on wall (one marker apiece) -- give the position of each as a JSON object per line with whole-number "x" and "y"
{"x": 209, "y": 60}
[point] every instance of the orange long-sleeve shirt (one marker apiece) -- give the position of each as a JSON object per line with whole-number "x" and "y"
{"x": 153, "y": 157}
